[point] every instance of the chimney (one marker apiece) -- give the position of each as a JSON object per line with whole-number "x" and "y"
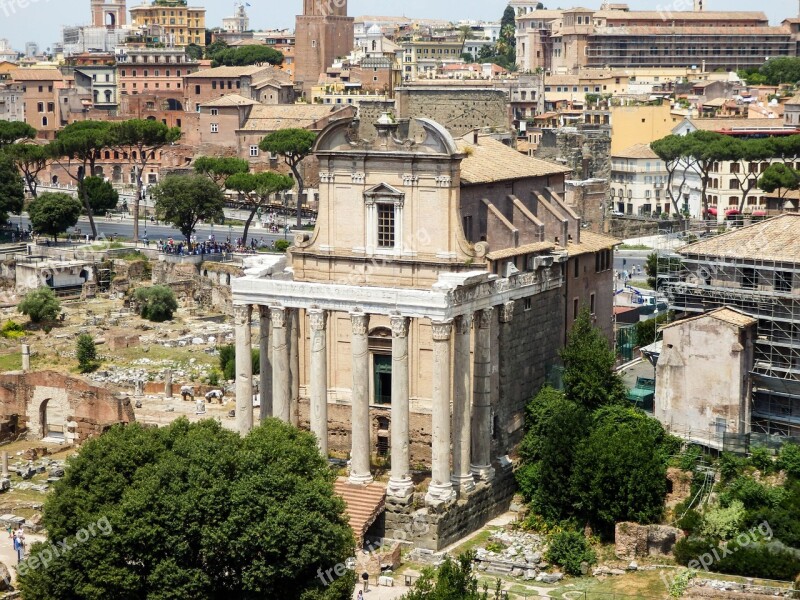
{"x": 475, "y": 136}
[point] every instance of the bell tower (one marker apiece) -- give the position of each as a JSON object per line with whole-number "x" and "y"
{"x": 111, "y": 14}
{"x": 323, "y": 33}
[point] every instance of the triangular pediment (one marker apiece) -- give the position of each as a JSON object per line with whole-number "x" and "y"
{"x": 383, "y": 189}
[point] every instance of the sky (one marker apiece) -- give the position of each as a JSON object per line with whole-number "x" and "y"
{"x": 22, "y": 21}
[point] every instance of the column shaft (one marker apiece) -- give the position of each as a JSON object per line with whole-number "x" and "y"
{"x": 281, "y": 404}
{"x": 441, "y": 488}
{"x": 294, "y": 366}
{"x": 400, "y": 484}
{"x": 482, "y": 397}
{"x": 319, "y": 378}
{"x": 265, "y": 364}
{"x": 244, "y": 368}
{"x": 360, "y": 430}
{"x": 462, "y": 406}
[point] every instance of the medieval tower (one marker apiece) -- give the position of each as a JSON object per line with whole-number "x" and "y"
{"x": 323, "y": 33}
{"x": 109, "y": 13}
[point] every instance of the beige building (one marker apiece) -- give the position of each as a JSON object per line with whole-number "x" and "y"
{"x": 642, "y": 124}
{"x": 702, "y": 408}
{"x": 424, "y": 310}
{"x": 173, "y": 22}
{"x": 638, "y": 182}
{"x": 264, "y": 84}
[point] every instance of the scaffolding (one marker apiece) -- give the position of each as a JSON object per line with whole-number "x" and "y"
{"x": 766, "y": 290}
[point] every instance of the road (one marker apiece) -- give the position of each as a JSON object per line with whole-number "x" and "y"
{"x": 627, "y": 259}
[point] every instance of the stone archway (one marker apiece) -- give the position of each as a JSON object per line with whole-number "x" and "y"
{"x": 52, "y": 420}
{"x": 48, "y": 413}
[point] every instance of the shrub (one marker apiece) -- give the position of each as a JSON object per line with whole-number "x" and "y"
{"x": 569, "y": 549}
{"x": 789, "y": 460}
{"x": 12, "y": 330}
{"x": 87, "y": 353}
{"x": 752, "y": 494}
{"x": 227, "y": 361}
{"x": 762, "y": 460}
{"x": 40, "y": 305}
{"x": 282, "y": 245}
{"x": 156, "y": 303}
{"x": 770, "y": 560}
{"x": 213, "y": 377}
{"x": 723, "y": 523}
{"x": 730, "y": 466}
{"x": 691, "y": 521}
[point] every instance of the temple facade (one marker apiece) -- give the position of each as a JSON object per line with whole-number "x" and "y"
{"x": 423, "y": 312}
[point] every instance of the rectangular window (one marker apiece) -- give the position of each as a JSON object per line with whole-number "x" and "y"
{"x": 783, "y": 281}
{"x": 215, "y": 128}
{"x": 591, "y": 303}
{"x": 385, "y": 226}
{"x": 527, "y": 304}
{"x": 253, "y": 151}
{"x": 214, "y": 112}
{"x": 576, "y": 267}
{"x": 575, "y": 306}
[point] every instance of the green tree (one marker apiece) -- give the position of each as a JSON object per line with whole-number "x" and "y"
{"x": 101, "y": 194}
{"x": 454, "y": 580}
{"x": 86, "y": 351}
{"x": 185, "y": 200}
{"x": 782, "y": 69}
{"x": 293, "y": 145}
{"x": 76, "y": 149}
{"x": 247, "y": 55}
{"x": 218, "y": 169}
{"x": 569, "y": 550}
{"x": 140, "y": 139}
{"x": 30, "y": 159}
{"x": 156, "y": 303}
{"x": 555, "y": 427}
{"x": 257, "y": 189}
{"x": 672, "y": 150}
{"x": 12, "y": 189}
{"x": 40, "y": 305}
{"x": 195, "y": 511}
{"x": 778, "y": 177}
{"x": 620, "y": 471}
{"x": 706, "y": 148}
{"x": 465, "y": 33}
{"x": 589, "y": 376}
{"x": 656, "y": 265}
{"x": 194, "y": 52}
{"x": 54, "y": 213}
{"x": 744, "y": 153}
{"x": 14, "y": 131}
{"x": 227, "y": 361}
{"x": 509, "y": 18}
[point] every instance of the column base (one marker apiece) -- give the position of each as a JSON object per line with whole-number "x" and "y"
{"x": 440, "y": 493}
{"x": 356, "y": 479}
{"x": 400, "y": 488}
{"x": 482, "y": 472}
{"x": 463, "y": 483}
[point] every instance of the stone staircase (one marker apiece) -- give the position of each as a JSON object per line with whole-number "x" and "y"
{"x": 364, "y": 504}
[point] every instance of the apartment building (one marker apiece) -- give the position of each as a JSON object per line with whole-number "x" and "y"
{"x": 40, "y": 91}
{"x": 173, "y": 21}
{"x": 145, "y": 70}
{"x": 638, "y": 182}
{"x": 265, "y": 84}
{"x": 422, "y": 58}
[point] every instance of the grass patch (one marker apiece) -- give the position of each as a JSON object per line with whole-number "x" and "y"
{"x": 634, "y": 247}
{"x": 11, "y": 362}
{"x": 107, "y": 246}
{"x": 476, "y": 542}
{"x": 132, "y": 256}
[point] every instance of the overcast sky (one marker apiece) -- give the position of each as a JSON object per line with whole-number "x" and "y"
{"x": 41, "y": 20}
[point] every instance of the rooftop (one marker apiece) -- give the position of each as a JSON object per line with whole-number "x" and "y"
{"x": 284, "y": 116}
{"x": 490, "y": 160}
{"x": 773, "y": 240}
{"x": 36, "y": 75}
{"x": 724, "y": 314}
{"x": 592, "y": 242}
{"x": 231, "y": 100}
{"x": 636, "y": 151}
{"x": 229, "y": 71}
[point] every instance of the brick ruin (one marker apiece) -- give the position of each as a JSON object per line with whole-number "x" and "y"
{"x": 49, "y": 404}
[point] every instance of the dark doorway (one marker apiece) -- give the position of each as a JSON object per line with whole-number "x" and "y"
{"x": 383, "y": 379}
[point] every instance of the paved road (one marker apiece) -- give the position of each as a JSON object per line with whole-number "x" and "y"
{"x": 627, "y": 259}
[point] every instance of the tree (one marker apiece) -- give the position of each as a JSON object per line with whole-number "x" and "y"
{"x": 40, "y": 305}
{"x": 655, "y": 266}
{"x": 219, "y": 169}
{"x": 54, "y": 213}
{"x": 12, "y": 189}
{"x": 156, "y": 303}
{"x": 293, "y": 145}
{"x": 509, "y": 24}
{"x": 672, "y": 150}
{"x": 14, "y": 131}
{"x": 554, "y": 428}
{"x": 589, "y": 376}
{"x": 101, "y": 194}
{"x": 194, "y": 52}
{"x": 81, "y": 144}
{"x": 746, "y": 156}
{"x": 30, "y": 159}
{"x": 227, "y": 361}
{"x": 195, "y": 511}
{"x": 783, "y": 69}
{"x": 778, "y": 177}
{"x": 185, "y": 200}
{"x": 570, "y": 550}
{"x": 141, "y": 139}
{"x": 257, "y": 188}
{"x": 706, "y": 148}
{"x": 453, "y": 581}
{"x": 86, "y": 352}
{"x": 465, "y": 33}
{"x": 247, "y": 55}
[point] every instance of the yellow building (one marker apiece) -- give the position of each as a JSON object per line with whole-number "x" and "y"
{"x": 172, "y": 22}
{"x": 631, "y": 125}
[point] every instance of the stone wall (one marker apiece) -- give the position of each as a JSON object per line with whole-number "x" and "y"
{"x": 434, "y": 529}
{"x": 70, "y": 404}
{"x": 587, "y": 153}
{"x": 458, "y": 110}
{"x": 638, "y": 541}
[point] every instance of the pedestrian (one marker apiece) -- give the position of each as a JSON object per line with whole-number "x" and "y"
{"x": 360, "y": 595}
{"x": 365, "y": 578}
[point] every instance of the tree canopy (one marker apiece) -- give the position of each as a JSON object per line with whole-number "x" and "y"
{"x": 195, "y": 511}
{"x": 185, "y": 200}
{"x": 454, "y": 580}
{"x": 14, "y": 131}
{"x": 218, "y": 169}
{"x": 54, "y": 213}
{"x": 293, "y": 145}
{"x": 30, "y": 159}
{"x": 246, "y": 55}
{"x": 101, "y": 194}
{"x": 781, "y": 69}
{"x": 256, "y": 189}
{"x": 40, "y": 305}
{"x": 778, "y": 177}
{"x": 12, "y": 189}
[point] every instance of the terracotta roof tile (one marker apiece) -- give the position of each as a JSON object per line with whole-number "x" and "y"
{"x": 636, "y": 151}
{"x": 592, "y": 242}
{"x": 284, "y": 116}
{"x": 36, "y": 75}
{"x": 490, "y": 160}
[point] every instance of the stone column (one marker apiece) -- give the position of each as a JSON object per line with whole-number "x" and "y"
{"x": 400, "y": 484}
{"x": 482, "y": 397}
{"x": 441, "y": 488}
{"x": 26, "y": 358}
{"x": 319, "y": 378}
{"x": 242, "y": 315}
{"x": 294, "y": 366}
{"x": 265, "y": 363}
{"x": 168, "y": 383}
{"x": 281, "y": 401}
{"x": 360, "y": 430}
{"x": 462, "y": 406}
{"x": 4, "y": 465}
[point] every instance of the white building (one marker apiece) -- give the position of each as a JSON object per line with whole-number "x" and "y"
{"x": 238, "y": 23}
{"x": 638, "y": 182}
